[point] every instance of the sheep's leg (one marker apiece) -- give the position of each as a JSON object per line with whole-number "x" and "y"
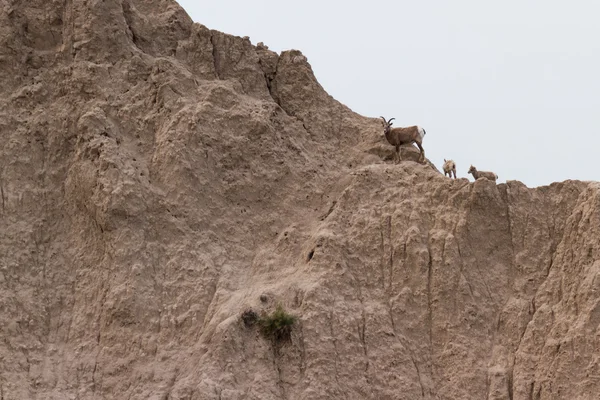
{"x": 398, "y": 156}
{"x": 422, "y": 157}
{"x": 454, "y": 172}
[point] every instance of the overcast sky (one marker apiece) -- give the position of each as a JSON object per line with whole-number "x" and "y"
{"x": 510, "y": 86}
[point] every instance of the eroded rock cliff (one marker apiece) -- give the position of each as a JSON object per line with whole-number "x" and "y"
{"x": 158, "y": 178}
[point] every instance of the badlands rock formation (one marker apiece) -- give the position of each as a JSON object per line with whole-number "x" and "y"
{"x": 158, "y": 178}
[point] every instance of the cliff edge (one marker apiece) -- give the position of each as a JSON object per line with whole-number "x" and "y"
{"x": 159, "y": 178}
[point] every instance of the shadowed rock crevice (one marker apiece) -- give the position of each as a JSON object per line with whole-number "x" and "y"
{"x": 268, "y": 61}
{"x": 215, "y": 56}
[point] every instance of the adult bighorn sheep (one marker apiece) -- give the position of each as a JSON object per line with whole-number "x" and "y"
{"x": 449, "y": 168}
{"x": 399, "y": 136}
{"x": 482, "y": 174}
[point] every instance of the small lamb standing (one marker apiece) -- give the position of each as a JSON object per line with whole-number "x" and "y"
{"x": 449, "y": 168}
{"x": 399, "y": 136}
{"x": 482, "y": 174}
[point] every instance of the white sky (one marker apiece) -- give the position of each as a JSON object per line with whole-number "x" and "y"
{"x": 511, "y": 86}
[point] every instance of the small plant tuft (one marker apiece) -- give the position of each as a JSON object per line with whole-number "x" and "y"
{"x": 277, "y": 326}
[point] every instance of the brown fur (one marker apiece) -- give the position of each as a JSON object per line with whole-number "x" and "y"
{"x": 482, "y": 174}
{"x": 399, "y": 136}
{"x": 449, "y": 168}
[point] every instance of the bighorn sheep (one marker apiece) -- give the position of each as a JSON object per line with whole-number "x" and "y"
{"x": 482, "y": 174}
{"x": 449, "y": 168}
{"x": 399, "y": 136}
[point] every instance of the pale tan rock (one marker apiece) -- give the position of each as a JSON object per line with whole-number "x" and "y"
{"x": 159, "y": 178}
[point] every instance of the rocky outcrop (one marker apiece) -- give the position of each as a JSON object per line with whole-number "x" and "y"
{"x": 158, "y": 178}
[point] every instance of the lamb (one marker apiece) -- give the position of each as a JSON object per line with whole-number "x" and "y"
{"x": 482, "y": 174}
{"x": 399, "y": 136}
{"x": 449, "y": 168}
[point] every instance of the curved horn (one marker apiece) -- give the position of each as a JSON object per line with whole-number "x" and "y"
{"x": 390, "y": 121}
{"x": 384, "y": 120}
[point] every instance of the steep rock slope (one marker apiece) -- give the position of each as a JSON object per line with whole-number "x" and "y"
{"x": 158, "y": 178}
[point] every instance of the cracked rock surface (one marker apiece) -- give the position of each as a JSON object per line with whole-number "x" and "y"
{"x": 159, "y": 178}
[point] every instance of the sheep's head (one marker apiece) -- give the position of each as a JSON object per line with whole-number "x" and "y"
{"x": 471, "y": 170}
{"x": 387, "y": 125}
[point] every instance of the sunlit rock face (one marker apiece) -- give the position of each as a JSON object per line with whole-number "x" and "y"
{"x": 158, "y": 179}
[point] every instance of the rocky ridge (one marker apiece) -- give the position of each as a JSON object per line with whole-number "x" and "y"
{"x": 158, "y": 178}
